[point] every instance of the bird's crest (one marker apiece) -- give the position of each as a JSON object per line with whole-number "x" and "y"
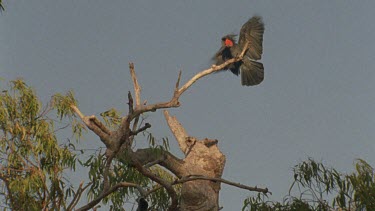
{"x": 231, "y": 37}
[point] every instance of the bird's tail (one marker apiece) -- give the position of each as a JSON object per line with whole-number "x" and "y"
{"x": 235, "y": 68}
{"x": 252, "y": 72}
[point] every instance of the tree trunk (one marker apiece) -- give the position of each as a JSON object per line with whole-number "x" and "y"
{"x": 203, "y": 161}
{"x": 203, "y": 158}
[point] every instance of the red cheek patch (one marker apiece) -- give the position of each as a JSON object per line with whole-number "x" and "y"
{"x": 228, "y": 43}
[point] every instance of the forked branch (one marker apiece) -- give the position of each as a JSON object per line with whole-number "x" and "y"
{"x": 94, "y": 125}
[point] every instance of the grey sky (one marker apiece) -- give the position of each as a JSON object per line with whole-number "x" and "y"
{"x": 316, "y": 100}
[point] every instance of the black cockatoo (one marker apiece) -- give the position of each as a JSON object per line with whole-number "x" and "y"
{"x": 252, "y": 72}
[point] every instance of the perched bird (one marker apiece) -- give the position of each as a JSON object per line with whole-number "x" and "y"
{"x": 252, "y": 72}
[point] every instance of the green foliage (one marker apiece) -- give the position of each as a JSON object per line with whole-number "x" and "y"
{"x": 315, "y": 183}
{"x": 1, "y": 6}
{"x": 155, "y": 144}
{"x": 32, "y": 162}
{"x": 78, "y": 128}
{"x": 361, "y": 186}
{"x": 123, "y": 171}
{"x": 63, "y": 104}
{"x": 259, "y": 203}
{"x": 159, "y": 200}
{"x": 111, "y": 118}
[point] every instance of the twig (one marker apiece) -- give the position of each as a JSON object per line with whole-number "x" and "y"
{"x": 106, "y": 171}
{"x": 212, "y": 69}
{"x": 157, "y": 187}
{"x": 201, "y": 177}
{"x": 133, "y": 133}
{"x": 77, "y": 196}
{"x": 168, "y": 187}
{"x": 10, "y": 193}
{"x": 106, "y": 193}
{"x": 178, "y": 82}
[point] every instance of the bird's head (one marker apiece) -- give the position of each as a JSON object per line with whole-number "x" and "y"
{"x": 228, "y": 40}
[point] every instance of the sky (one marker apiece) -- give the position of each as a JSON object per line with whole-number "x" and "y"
{"x": 317, "y": 99}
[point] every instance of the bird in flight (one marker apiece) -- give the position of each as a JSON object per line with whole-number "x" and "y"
{"x": 252, "y": 72}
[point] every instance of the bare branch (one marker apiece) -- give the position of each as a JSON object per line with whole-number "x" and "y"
{"x": 137, "y": 90}
{"x": 130, "y": 98}
{"x": 106, "y": 193}
{"x": 77, "y": 111}
{"x": 154, "y": 189}
{"x": 10, "y": 193}
{"x": 139, "y": 158}
{"x": 178, "y": 131}
{"x": 77, "y": 196}
{"x": 100, "y": 124}
{"x": 214, "y": 68}
{"x": 133, "y": 133}
{"x": 200, "y": 177}
{"x": 98, "y": 128}
{"x": 106, "y": 170}
{"x": 94, "y": 125}
{"x": 178, "y": 82}
{"x": 168, "y": 187}
{"x": 137, "y": 87}
{"x": 174, "y": 101}
{"x": 164, "y": 158}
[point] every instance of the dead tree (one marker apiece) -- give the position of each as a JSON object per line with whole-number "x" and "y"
{"x": 199, "y": 171}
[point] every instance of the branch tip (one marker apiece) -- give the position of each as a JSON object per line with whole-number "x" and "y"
{"x": 131, "y": 65}
{"x": 178, "y": 80}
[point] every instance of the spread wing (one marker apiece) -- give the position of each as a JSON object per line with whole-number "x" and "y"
{"x": 253, "y": 31}
{"x": 218, "y": 58}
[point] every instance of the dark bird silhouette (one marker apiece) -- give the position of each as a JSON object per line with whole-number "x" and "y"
{"x": 252, "y": 72}
{"x": 142, "y": 205}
